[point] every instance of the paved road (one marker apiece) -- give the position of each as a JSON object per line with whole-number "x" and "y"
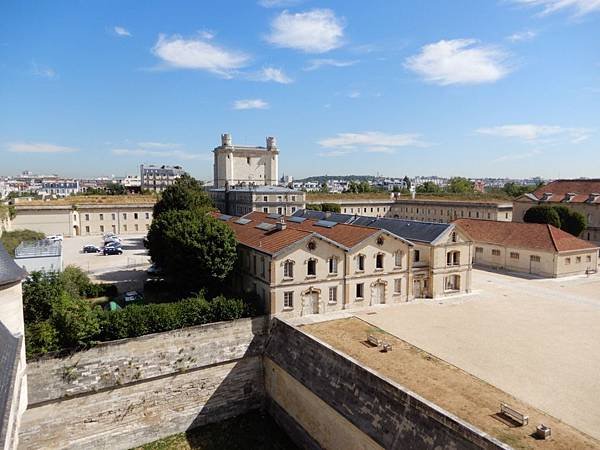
{"x": 536, "y": 339}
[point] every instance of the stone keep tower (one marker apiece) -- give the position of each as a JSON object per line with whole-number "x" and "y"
{"x": 236, "y": 165}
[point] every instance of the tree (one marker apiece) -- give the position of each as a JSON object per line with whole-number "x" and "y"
{"x": 571, "y": 221}
{"x": 459, "y": 185}
{"x": 515, "y": 190}
{"x": 75, "y": 321}
{"x": 115, "y": 189}
{"x": 314, "y": 206}
{"x": 542, "y": 214}
{"x": 185, "y": 194}
{"x": 429, "y": 187}
{"x": 192, "y": 247}
{"x": 332, "y": 207}
{"x": 40, "y": 338}
{"x": 324, "y": 188}
{"x": 407, "y": 182}
{"x": 41, "y": 291}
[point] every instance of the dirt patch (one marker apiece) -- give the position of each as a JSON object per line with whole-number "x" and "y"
{"x": 453, "y": 389}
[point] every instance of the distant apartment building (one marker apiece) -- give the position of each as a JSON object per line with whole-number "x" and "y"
{"x": 245, "y": 180}
{"x": 532, "y": 248}
{"x": 158, "y": 178}
{"x": 60, "y": 188}
{"x": 579, "y": 195}
{"x": 88, "y": 215}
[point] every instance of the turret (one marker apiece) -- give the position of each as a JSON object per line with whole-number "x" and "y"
{"x": 226, "y": 140}
{"x": 271, "y": 143}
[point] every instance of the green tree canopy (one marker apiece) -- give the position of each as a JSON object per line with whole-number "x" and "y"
{"x": 333, "y": 207}
{"x": 459, "y": 185}
{"x": 429, "y": 187}
{"x": 192, "y": 247}
{"x": 571, "y": 221}
{"x": 186, "y": 193}
{"x": 542, "y": 214}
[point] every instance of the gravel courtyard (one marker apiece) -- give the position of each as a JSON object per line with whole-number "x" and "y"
{"x": 538, "y": 340}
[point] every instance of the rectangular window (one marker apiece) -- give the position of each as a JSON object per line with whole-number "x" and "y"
{"x": 288, "y": 269}
{"x": 265, "y": 209}
{"x": 495, "y": 252}
{"x": 101, "y": 216}
{"x": 147, "y": 226}
{"x": 333, "y": 294}
{"x": 478, "y": 249}
{"x": 397, "y": 285}
{"x": 87, "y": 217}
{"x": 567, "y": 260}
{"x": 379, "y": 261}
{"x": 360, "y": 291}
{"x": 147, "y": 215}
{"x": 360, "y": 262}
{"x": 535, "y": 258}
{"x": 101, "y": 228}
{"x": 136, "y": 227}
{"x": 288, "y": 299}
{"x": 311, "y": 268}
{"x": 588, "y": 258}
{"x": 279, "y": 210}
{"x": 398, "y": 259}
{"x": 578, "y": 259}
{"x": 332, "y": 265}
{"x": 124, "y": 216}
{"x": 262, "y": 266}
{"x": 135, "y": 216}
{"x": 514, "y": 255}
{"x": 416, "y": 256}
{"x": 114, "y": 216}
{"x": 265, "y": 198}
{"x": 87, "y": 228}
{"x": 124, "y": 227}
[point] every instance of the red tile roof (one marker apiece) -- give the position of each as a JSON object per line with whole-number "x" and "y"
{"x": 535, "y": 236}
{"x": 344, "y": 234}
{"x": 560, "y": 188}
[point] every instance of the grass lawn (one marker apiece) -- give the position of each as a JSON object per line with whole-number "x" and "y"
{"x": 255, "y": 430}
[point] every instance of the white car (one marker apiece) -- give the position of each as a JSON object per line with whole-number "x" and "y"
{"x": 55, "y": 237}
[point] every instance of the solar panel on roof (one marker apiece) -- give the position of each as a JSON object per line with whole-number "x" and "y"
{"x": 224, "y": 217}
{"x": 265, "y": 226}
{"x": 243, "y": 221}
{"x": 325, "y": 223}
{"x": 296, "y": 219}
{"x": 273, "y": 216}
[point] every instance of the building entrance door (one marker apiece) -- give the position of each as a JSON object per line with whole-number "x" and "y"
{"x": 420, "y": 288}
{"x": 378, "y": 294}
{"x": 310, "y": 304}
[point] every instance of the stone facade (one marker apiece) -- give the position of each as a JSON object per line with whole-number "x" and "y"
{"x": 242, "y": 200}
{"x": 85, "y": 216}
{"x": 235, "y": 164}
{"x": 125, "y": 393}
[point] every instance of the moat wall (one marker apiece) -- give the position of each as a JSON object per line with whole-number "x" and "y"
{"x": 126, "y": 393}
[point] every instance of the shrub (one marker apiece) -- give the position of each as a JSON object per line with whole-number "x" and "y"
{"x": 40, "y": 338}
{"x": 75, "y": 320}
{"x": 542, "y": 214}
{"x": 226, "y": 308}
{"x": 333, "y": 207}
{"x": 40, "y": 292}
{"x": 314, "y": 206}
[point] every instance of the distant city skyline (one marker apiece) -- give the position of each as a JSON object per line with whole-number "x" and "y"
{"x": 503, "y": 89}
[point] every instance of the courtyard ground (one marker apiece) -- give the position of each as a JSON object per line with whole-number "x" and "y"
{"x": 127, "y": 271}
{"x": 536, "y": 339}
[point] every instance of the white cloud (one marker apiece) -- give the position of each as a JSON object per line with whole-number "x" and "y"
{"x": 353, "y": 94}
{"x": 120, "y": 31}
{"x": 517, "y": 156}
{"x": 532, "y": 132}
{"x": 526, "y": 35}
{"x": 577, "y": 7}
{"x": 315, "y": 64}
{"x": 38, "y": 147}
{"x": 176, "y": 154}
{"x": 370, "y": 141}
{"x": 42, "y": 71}
{"x": 273, "y": 74}
{"x": 207, "y": 34}
{"x": 315, "y": 31}
{"x": 459, "y": 61}
{"x": 277, "y": 3}
{"x": 256, "y": 103}
{"x": 180, "y": 53}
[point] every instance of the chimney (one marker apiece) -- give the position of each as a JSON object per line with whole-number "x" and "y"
{"x": 226, "y": 140}
{"x": 280, "y": 226}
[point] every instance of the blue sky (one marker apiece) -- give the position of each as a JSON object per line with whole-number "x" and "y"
{"x": 473, "y": 88}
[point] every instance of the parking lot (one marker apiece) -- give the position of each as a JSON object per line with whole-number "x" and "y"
{"x": 128, "y": 270}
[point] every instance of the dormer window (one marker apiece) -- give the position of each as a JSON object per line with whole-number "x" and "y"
{"x": 546, "y": 197}
{"x": 593, "y": 197}
{"x": 569, "y": 196}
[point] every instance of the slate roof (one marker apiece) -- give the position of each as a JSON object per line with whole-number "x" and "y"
{"x": 411, "y": 230}
{"x": 9, "y": 271}
{"x": 10, "y": 347}
{"x": 534, "y": 236}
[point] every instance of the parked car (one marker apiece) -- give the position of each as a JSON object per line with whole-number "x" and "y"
{"x": 132, "y": 296}
{"x": 112, "y": 239}
{"x": 55, "y": 237}
{"x": 112, "y": 251}
{"x": 91, "y": 249}
{"x": 113, "y": 244}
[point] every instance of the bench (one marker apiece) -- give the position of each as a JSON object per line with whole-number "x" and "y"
{"x": 373, "y": 340}
{"x": 522, "y": 419}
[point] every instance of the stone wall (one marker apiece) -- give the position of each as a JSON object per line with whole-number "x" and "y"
{"x": 129, "y": 392}
{"x": 355, "y": 401}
